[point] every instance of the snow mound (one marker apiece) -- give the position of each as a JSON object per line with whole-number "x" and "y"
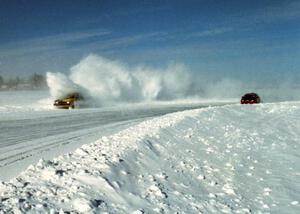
{"x": 232, "y": 159}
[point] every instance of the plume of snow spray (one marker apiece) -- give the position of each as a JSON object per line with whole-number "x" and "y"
{"x": 108, "y": 81}
{"x": 60, "y": 84}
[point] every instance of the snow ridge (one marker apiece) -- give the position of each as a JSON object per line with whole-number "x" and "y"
{"x": 231, "y": 159}
{"x": 76, "y": 182}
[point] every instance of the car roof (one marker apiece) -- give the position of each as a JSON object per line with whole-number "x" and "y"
{"x": 71, "y": 95}
{"x": 251, "y": 95}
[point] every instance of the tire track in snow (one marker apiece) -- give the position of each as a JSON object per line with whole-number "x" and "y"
{"x": 28, "y": 140}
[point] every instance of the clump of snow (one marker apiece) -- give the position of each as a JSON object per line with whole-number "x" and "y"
{"x": 232, "y": 159}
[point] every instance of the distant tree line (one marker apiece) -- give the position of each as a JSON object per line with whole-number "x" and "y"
{"x": 33, "y": 82}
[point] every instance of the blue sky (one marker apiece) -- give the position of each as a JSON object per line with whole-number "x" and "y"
{"x": 254, "y": 40}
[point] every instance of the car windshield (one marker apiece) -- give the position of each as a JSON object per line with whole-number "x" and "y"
{"x": 250, "y": 96}
{"x": 73, "y": 96}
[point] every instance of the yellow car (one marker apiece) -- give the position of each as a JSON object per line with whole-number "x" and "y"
{"x": 69, "y": 101}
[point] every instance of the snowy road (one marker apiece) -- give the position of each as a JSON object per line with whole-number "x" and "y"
{"x": 28, "y": 136}
{"x": 232, "y": 159}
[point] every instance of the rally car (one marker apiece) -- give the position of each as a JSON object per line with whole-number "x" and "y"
{"x": 250, "y": 98}
{"x": 69, "y": 101}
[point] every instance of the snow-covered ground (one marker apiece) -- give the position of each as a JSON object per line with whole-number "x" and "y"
{"x": 22, "y": 101}
{"x": 229, "y": 159}
{"x": 32, "y": 129}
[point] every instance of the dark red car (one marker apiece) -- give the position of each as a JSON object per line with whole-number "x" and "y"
{"x": 250, "y": 98}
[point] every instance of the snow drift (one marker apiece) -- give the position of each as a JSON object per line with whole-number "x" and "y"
{"x": 232, "y": 159}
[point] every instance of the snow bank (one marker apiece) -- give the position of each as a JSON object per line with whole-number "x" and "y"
{"x": 232, "y": 159}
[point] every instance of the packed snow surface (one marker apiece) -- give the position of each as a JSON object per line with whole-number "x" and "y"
{"x": 32, "y": 129}
{"x": 230, "y": 159}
